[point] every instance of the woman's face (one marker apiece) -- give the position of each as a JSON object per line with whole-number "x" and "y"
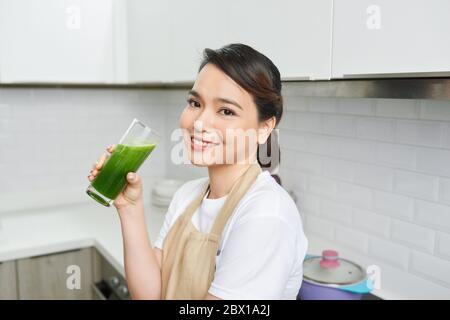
{"x": 220, "y": 122}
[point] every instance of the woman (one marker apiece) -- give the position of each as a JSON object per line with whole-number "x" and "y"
{"x": 235, "y": 234}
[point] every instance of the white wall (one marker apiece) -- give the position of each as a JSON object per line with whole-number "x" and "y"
{"x": 50, "y": 138}
{"x": 373, "y": 179}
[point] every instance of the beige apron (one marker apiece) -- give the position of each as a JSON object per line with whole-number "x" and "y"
{"x": 189, "y": 256}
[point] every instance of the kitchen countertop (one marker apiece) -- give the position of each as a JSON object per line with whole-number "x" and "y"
{"x": 53, "y": 230}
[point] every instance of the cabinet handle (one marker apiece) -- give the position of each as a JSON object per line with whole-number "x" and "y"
{"x": 54, "y": 253}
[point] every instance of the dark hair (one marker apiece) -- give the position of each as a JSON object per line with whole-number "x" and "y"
{"x": 257, "y": 74}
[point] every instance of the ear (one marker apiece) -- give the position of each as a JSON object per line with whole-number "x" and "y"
{"x": 265, "y": 128}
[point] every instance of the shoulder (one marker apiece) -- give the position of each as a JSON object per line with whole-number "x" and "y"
{"x": 187, "y": 191}
{"x": 266, "y": 199}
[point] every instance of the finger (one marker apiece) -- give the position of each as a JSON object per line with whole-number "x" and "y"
{"x": 94, "y": 172}
{"x": 111, "y": 148}
{"x": 90, "y": 178}
{"x": 100, "y": 161}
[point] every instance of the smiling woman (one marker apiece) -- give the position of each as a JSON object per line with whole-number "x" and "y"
{"x": 235, "y": 234}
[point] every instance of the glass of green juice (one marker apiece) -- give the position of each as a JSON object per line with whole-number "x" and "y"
{"x": 128, "y": 155}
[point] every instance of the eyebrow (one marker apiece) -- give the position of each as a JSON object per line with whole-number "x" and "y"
{"x": 225, "y": 100}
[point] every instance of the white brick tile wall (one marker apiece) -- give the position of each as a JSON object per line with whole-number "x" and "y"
{"x": 354, "y": 195}
{"x": 356, "y": 106}
{"x": 416, "y": 184}
{"x": 339, "y": 125}
{"x": 376, "y": 129}
{"x": 423, "y": 133}
{"x": 444, "y": 190}
{"x": 443, "y": 245}
{"x": 397, "y": 108}
{"x": 434, "y": 161}
{"x": 389, "y": 252}
{"x": 322, "y": 186}
{"x": 393, "y": 204}
{"x": 319, "y": 226}
{"x": 322, "y": 144}
{"x": 336, "y": 211}
{"x": 307, "y": 162}
{"x": 296, "y": 103}
{"x": 308, "y": 121}
{"x": 355, "y": 150}
{"x": 414, "y": 235}
{"x": 338, "y": 169}
{"x": 434, "y": 110}
{"x": 371, "y": 222}
{"x": 431, "y": 267}
{"x": 396, "y": 155}
{"x": 383, "y": 190}
{"x": 446, "y": 138}
{"x": 309, "y": 203}
{"x": 374, "y": 176}
{"x": 288, "y": 121}
{"x": 352, "y": 238}
{"x": 69, "y": 129}
{"x": 323, "y": 105}
{"x": 433, "y": 214}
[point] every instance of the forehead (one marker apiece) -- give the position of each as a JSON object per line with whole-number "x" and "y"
{"x": 212, "y": 83}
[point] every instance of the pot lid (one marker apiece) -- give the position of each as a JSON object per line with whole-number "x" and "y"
{"x": 329, "y": 269}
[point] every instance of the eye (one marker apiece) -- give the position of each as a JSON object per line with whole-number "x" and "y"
{"x": 227, "y": 112}
{"x": 193, "y": 103}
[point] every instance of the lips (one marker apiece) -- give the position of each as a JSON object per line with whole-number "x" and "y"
{"x": 199, "y": 144}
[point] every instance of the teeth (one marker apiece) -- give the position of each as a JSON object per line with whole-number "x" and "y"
{"x": 200, "y": 142}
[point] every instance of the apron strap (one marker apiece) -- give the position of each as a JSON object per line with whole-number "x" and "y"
{"x": 193, "y": 206}
{"x": 238, "y": 190}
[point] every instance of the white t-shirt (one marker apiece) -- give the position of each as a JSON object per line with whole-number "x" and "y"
{"x": 262, "y": 246}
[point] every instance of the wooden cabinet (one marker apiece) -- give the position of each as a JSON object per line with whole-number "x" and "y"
{"x": 57, "y": 41}
{"x": 8, "y": 287}
{"x": 391, "y": 38}
{"x": 46, "y": 277}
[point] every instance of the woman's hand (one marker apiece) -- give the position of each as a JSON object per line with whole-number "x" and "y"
{"x": 132, "y": 194}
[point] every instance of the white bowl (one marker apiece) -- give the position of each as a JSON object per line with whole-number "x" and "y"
{"x": 167, "y": 188}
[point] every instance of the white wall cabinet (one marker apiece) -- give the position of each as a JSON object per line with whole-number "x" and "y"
{"x": 166, "y": 39}
{"x": 56, "y": 41}
{"x": 294, "y": 34}
{"x": 386, "y": 38}
{"x": 151, "y": 41}
{"x": 148, "y": 39}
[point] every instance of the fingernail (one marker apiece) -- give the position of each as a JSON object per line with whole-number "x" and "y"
{"x": 131, "y": 176}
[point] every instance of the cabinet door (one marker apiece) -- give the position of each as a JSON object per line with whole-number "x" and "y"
{"x": 148, "y": 33}
{"x": 294, "y": 34}
{"x": 46, "y": 277}
{"x": 194, "y": 26}
{"x": 8, "y": 283}
{"x": 62, "y": 41}
{"x": 391, "y": 38}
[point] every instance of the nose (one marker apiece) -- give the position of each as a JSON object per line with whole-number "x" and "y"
{"x": 204, "y": 121}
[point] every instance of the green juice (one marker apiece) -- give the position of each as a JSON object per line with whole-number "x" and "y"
{"x": 111, "y": 179}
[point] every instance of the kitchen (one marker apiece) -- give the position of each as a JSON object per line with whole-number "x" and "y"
{"x": 364, "y": 138}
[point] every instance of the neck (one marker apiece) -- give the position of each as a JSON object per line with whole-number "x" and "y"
{"x": 222, "y": 177}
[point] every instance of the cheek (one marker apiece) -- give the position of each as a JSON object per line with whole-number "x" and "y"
{"x": 186, "y": 120}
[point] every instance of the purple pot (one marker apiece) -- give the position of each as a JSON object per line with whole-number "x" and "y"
{"x": 329, "y": 277}
{"x": 311, "y": 291}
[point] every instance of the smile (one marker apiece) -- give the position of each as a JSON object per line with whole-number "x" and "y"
{"x": 199, "y": 145}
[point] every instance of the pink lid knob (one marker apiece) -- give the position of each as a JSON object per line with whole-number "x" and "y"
{"x": 330, "y": 259}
